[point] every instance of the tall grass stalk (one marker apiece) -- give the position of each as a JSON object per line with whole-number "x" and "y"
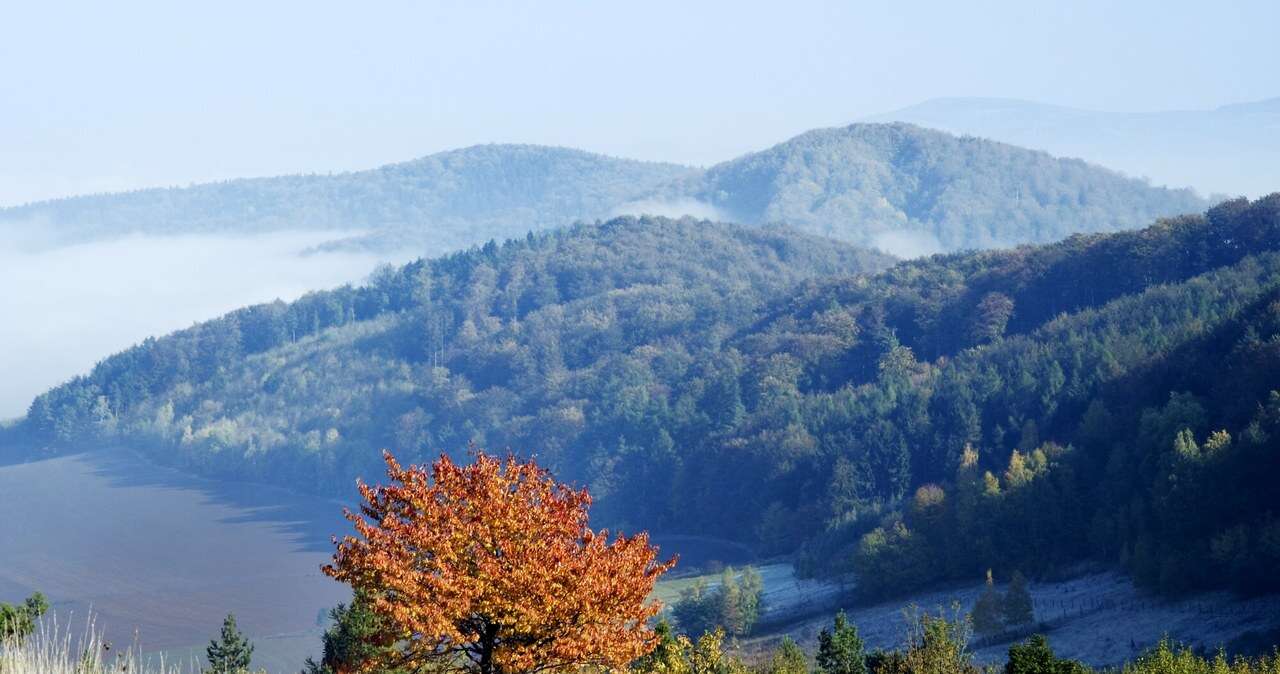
{"x": 53, "y": 649}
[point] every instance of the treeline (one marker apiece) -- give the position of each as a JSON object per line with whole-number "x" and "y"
{"x": 916, "y": 190}
{"x": 938, "y": 644}
{"x": 903, "y": 188}
{"x": 445, "y": 201}
{"x": 1015, "y": 410}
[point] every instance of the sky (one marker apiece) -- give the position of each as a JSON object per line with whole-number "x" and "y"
{"x": 110, "y": 96}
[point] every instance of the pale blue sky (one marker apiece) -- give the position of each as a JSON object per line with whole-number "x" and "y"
{"x": 113, "y": 95}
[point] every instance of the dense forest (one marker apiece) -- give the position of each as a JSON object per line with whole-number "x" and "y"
{"x": 1108, "y": 396}
{"x": 898, "y": 187}
{"x": 912, "y": 190}
{"x": 441, "y": 202}
{"x": 1229, "y": 149}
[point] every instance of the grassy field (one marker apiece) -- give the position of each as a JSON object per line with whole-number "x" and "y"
{"x": 786, "y": 598}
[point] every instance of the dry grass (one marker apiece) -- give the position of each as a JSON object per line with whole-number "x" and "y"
{"x": 53, "y": 649}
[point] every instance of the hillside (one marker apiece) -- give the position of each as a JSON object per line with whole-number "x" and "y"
{"x": 1027, "y": 406}
{"x": 905, "y": 189}
{"x": 1228, "y": 150}
{"x": 525, "y": 344}
{"x": 913, "y": 191}
{"x": 438, "y": 203}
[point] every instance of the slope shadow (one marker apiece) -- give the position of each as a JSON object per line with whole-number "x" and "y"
{"x": 308, "y": 521}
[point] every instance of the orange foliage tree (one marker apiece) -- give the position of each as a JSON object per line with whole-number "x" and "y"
{"x": 492, "y": 568}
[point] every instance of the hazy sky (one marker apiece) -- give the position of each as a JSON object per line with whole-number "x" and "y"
{"x": 110, "y": 95}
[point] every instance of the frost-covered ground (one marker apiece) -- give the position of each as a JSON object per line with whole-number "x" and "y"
{"x": 1099, "y": 618}
{"x": 785, "y": 597}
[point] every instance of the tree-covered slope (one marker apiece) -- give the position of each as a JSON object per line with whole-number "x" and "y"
{"x": 442, "y": 202}
{"x": 530, "y": 344}
{"x": 1017, "y": 409}
{"x": 914, "y": 190}
{"x": 1230, "y": 149}
{"x": 899, "y": 187}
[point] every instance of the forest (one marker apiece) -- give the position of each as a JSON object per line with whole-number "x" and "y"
{"x": 1106, "y": 397}
{"x": 898, "y": 187}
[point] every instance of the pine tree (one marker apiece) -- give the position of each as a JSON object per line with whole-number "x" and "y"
{"x": 352, "y": 641}
{"x": 840, "y": 650}
{"x": 1018, "y": 609}
{"x": 988, "y": 609}
{"x": 788, "y": 659}
{"x": 231, "y": 652}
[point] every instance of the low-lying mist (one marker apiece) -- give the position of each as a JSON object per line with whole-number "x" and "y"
{"x": 64, "y": 309}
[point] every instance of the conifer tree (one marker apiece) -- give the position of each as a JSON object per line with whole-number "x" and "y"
{"x": 231, "y": 652}
{"x": 353, "y": 640}
{"x": 988, "y": 609}
{"x": 840, "y": 650}
{"x": 788, "y": 659}
{"x": 1018, "y": 609}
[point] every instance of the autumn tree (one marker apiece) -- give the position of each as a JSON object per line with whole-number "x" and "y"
{"x": 492, "y": 568}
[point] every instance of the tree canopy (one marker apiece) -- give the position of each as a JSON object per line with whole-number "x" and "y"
{"x": 492, "y": 567}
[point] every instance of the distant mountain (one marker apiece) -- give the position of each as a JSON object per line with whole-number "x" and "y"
{"x": 905, "y": 189}
{"x": 1233, "y": 150}
{"x": 911, "y": 190}
{"x": 441, "y": 202}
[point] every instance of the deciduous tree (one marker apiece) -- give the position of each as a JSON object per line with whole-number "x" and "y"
{"x": 492, "y": 568}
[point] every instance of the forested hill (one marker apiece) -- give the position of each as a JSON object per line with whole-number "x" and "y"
{"x": 441, "y": 202}
{"x": 512, "y": 344}
{"x": 1230, "y": 149}
{"x": 1109, "y": 396}
{"x": 902, "y": 188}
{"x": 913, "y": 190}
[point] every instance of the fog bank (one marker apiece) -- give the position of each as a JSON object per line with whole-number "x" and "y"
{"x": 65, "y": 309}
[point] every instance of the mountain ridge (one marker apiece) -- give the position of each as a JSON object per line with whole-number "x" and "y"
{"x": 903, "y": 188}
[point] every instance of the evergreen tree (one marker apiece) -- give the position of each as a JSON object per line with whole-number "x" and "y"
{"x": 840, "y": 650}
{"x": 671, "y": 655}
{"x": 231, "y": 652}
{"x": 1018, "y": 609}
{"x": 788, "y": 659}
{"x": 1035, "y": 657}
{"x": 352, "y": 640}
{"x": 988, "y": 609}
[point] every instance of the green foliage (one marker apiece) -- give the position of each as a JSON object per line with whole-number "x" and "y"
{"x": 987, "y": 614}
{"x": 1034, "y": 656}
{"x": 709, "y": 379}
{"x": 934, "y": 644}
{"x": 788, "y": 659}
{"x": 733, "y": 604}
{"x": 352, "y": 640}
{"x": 920, "y": 190}
{"x": 1168, "y": 658}
{"x": 17, "y": 621}
{"x": 669, "y": 656}
{"x": 231, "y": 652}
{"x": 840, "y": 649}
{"x": 441, "y": 202}
{"x": 865, "y": 183}
{"x": 676, "y": 654}
{"x": 1018, "y": 607}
